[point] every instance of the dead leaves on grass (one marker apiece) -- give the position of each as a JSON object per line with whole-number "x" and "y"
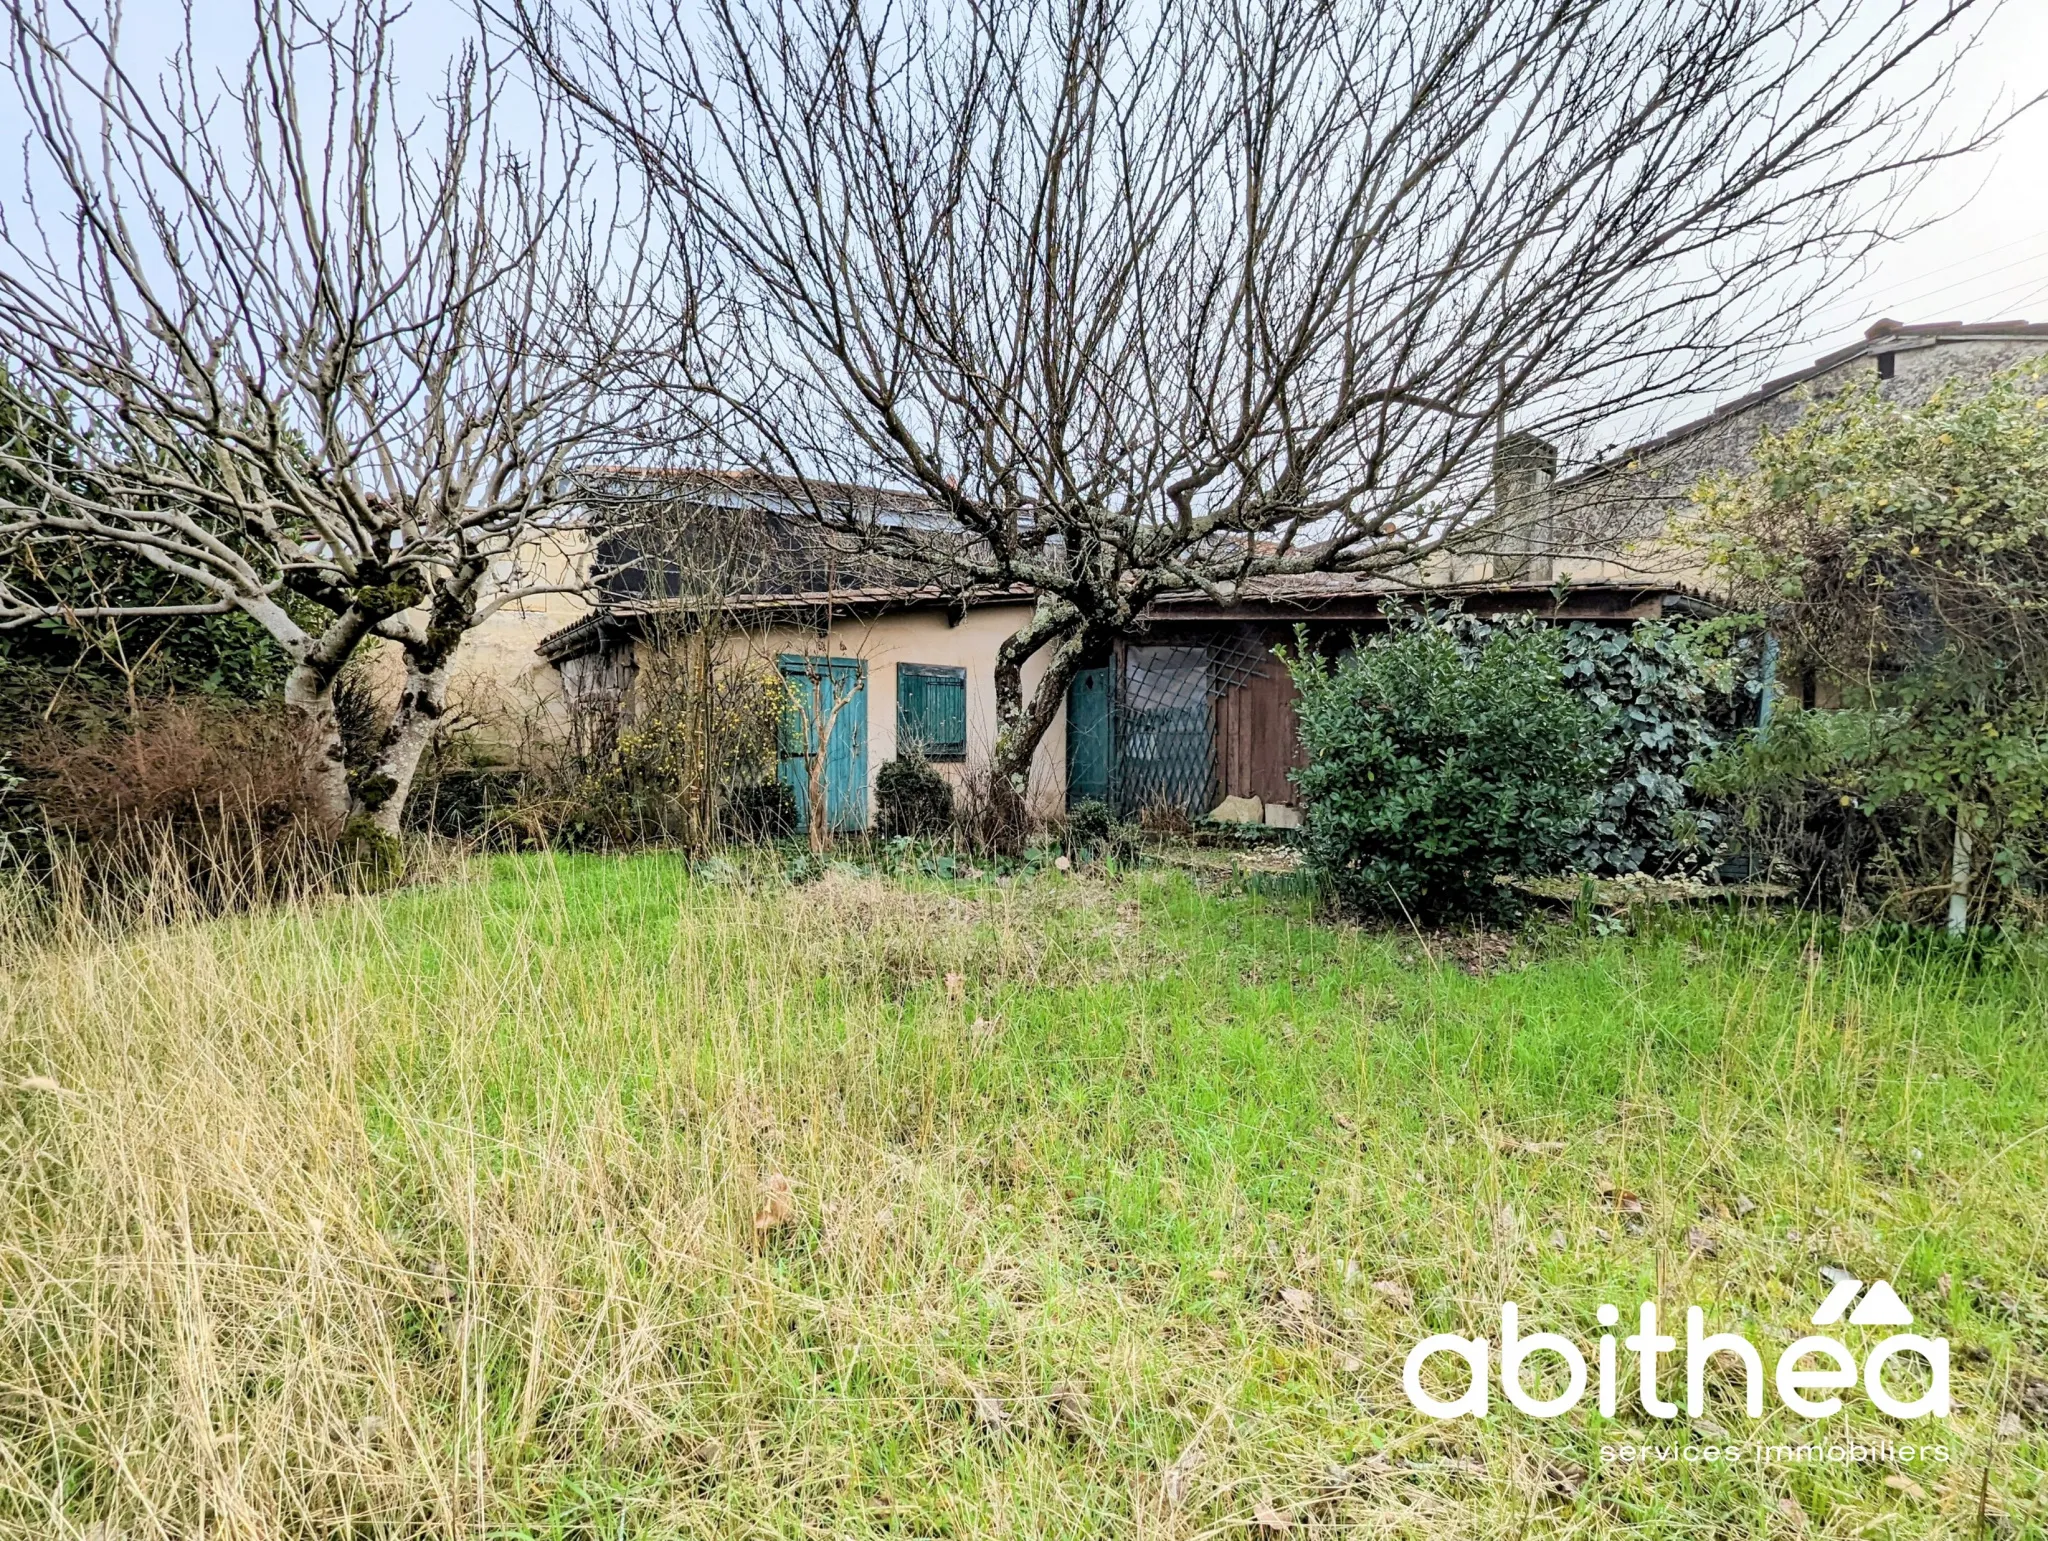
{"x": 1269, "y": 1520}
{"x": 1069, "y": 1408}
{"x": 1178, "y": 1478}
{"x": 990, "y": 1415}
{"x": 777, "y": 1206}
{"x": 1634, "y": 1218}
{"x": 1394, "y": 1293}
{"x": 1296, "y": 1312}
{"x": 1063, "y": 1408}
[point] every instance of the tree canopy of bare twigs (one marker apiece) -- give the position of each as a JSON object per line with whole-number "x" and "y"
{"x": 324, "y": 362}
{"x": 1145, "y": 297}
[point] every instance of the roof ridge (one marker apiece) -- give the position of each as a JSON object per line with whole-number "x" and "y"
{"x": 1921, "y": 334}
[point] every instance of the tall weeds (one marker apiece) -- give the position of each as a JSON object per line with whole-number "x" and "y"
{"x": 587, "y": 1198}
{"x": 176, "y": 808}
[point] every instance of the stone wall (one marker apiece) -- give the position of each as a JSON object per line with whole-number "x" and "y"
{"x": 1615, "y": 522}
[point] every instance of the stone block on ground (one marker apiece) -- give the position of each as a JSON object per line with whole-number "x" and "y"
{"x": 1238, "y": 810}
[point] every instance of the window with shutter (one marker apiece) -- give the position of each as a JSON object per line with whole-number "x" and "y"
{"x": 931, "y": 710}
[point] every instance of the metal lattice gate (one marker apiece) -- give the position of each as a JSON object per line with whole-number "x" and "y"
{"x": 1165, "y": 721}
{"x": 1165, "y": 732}
{"x": 1141, "y": 731}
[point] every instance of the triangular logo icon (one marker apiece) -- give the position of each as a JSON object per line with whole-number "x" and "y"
{"x": 1830, "y": 1310}
{"x": 1881, "y": 1308}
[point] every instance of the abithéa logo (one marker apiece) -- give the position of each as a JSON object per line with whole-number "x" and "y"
{"x": 1811, "y": 1364}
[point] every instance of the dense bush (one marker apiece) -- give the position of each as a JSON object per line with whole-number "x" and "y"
{"x": 208, "y": 795}
{"x": 912, "y": 798}
{"x": 660, "y": 763}
{"x": 57, "y": 672}
{"x": 178, "y": 761}
{"x": 1783, "y": 785}
{"x": 1668, "y": 702}
{"x": 1437, "y": 763}
{"x": 1668, "y": 699}
{"x": 465, "y": 802}
{"x": 1899, "y": 552}
{"x": 1091, "y": 821}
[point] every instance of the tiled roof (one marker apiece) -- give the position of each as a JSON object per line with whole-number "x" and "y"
{"x": 1293, "y": 594}
{"x": 1308, "y": 591}
{"x": 1882, "y": 337}
{"x": 756, "y": 484}
{"x": 628, "y": 618}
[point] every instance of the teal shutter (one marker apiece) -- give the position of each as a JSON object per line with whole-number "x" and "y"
{"x": 931, "y": 710}
{"x": 1089, "y": 730}
{"x": 816, "y": 685}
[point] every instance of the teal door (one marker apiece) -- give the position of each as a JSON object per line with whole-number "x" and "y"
{"x": 1088, "y": 737}
{"x": 828, "y": 696}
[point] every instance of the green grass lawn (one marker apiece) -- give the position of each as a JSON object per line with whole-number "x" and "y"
{"x": 582, "y": 1198}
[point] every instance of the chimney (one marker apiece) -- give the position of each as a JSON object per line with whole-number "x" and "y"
{"x": 1524, "y": 466}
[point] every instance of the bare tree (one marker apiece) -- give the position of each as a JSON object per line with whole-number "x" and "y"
{"x": 328, "y": 366}
{"x": 818, "y": 696}
{"x": 1154, "y": 297}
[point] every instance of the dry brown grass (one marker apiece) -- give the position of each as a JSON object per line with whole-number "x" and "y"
{"x": 579, "y": 1200}
{"x": 299, "y": 1246}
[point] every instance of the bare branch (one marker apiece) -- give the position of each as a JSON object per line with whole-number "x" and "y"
{"x": 316, "y": 358}
{"x": 1152, "y": 297}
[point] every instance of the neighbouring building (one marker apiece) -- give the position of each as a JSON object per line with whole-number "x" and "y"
{"x": 1199, "y": 708}
{"x": 1610, "y": 520}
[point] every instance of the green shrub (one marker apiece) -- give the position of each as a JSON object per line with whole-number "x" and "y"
{"x": 1093, "y": 830}
{"x": 1090, "y": 821}
{"x": 764, "y": 810}
{"x": 1668, "y": 707}
{"x": 1434, "y": 767}
{"x": 1900, "y": 554}
{"x": 912, "y": 799}
{"x": 464, "y": 802}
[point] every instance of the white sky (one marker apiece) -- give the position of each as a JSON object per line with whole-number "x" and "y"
{"x": 1987, "y": 259}
{"x": 1984, "y": 259}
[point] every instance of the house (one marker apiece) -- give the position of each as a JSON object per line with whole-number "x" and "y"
{"x": 1609, "y": 520}
{"x": 1199, "y": 708}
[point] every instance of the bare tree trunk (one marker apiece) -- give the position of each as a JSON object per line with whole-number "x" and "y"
{"x": 820, "y": 822}
{"x": 388, "y": 783}
{"x": 1021, "y": 724}
{"x": 309, "y": 692}
{"x": 1959, "y": 873}
{"x": 817, "y": 765}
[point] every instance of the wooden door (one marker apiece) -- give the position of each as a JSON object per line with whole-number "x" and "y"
{"x": 827, "y": 693}
{"x": 1089, "y": 737}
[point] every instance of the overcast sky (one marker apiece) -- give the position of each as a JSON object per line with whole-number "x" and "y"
{"x": 1987, "y": 260}
{"x": 1984, "y": 259}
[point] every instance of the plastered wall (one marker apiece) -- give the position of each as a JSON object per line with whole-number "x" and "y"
{"x": 928, "y": 637}
{"x": 502, "y": 691}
